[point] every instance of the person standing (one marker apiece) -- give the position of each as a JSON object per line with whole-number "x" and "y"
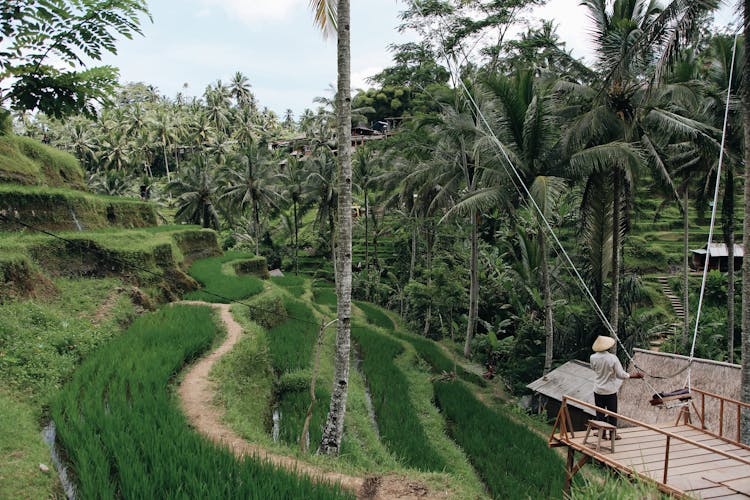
{"x": 609, "y": 377}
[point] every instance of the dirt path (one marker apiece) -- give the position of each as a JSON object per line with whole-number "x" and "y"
{"x": 196, "y": 395}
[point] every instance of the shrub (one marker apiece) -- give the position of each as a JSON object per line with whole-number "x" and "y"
{"x": 220, "y": 287}
{"x": 512, "y": 460}
{"x": 267, "y": 310}
{"x": 127, "y": 438}
{"x": 255, "y": 265}
{"x": 398, "y": 422}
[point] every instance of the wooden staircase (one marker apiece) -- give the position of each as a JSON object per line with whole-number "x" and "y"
{"x": 677, "y": 307}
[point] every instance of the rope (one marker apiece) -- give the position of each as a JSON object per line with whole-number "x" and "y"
{"x": 713, "y": 212}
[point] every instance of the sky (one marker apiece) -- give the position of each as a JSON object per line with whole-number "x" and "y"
{"x": 192, "y": 43}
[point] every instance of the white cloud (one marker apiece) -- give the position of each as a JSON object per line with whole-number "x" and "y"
{"x": 255, "y": 12}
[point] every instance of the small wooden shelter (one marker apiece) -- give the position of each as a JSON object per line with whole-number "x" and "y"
{"x": 574, "y": 378}
{"x": 719, "y": 258}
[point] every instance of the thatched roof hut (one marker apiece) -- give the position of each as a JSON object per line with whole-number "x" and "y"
{"x": 574, "y": 378}
{"x": 705, "y": 374}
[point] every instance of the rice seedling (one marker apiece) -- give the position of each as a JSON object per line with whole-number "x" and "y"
{"x": 209, "y": 273}
{"x": 294, "y": 284}
{"x": 375, "y": 315}
{"x": 398, "y": 422}
{"x": 427, "y": 349}
{"x": 125, "y": 436}
{"x": 325, "y": 296}
{"x": 291, "y": 342}
{"x": 512, "y": 460}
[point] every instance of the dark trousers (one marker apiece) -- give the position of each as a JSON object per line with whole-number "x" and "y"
{"x": 608, "y": 402}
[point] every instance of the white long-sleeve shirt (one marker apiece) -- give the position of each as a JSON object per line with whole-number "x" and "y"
{"x": 609, "y": 373}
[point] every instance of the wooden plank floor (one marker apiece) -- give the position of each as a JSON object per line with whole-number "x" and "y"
{"x": 697, "y": 472}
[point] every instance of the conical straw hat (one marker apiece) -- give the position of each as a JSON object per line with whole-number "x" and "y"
{"x": 603, "y": 343}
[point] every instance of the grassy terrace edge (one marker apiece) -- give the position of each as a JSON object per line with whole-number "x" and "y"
{"x": 125, "y": 434}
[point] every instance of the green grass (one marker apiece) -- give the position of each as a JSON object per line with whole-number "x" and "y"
{"x": 427, "y": 349}
{"x": 324, "y": 295}
{"x": 375, "y": 315}
{"x": 291, "y": 342}
{"x": 27, "y": 161}
{"x": 513, "y": 461}
{"x": 399, "y": 424}
{"x": 43, "y": 341}
{"x": 126, "y": 436}
{"x": 21, "y": 452}
{"x": 209, "y": 273}
{"x": 294, "y": 284}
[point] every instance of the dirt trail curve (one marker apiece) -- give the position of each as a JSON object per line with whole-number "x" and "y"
{"x": 197, "y": 393}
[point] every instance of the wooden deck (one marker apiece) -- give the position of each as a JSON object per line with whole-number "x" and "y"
{"x": 682, "y": 460}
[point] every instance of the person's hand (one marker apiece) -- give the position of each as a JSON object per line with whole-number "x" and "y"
{"x": 636, "y": 375}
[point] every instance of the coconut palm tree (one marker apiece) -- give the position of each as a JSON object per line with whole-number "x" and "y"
{"x": 197, "y": 189}
{"x": 248, "y": 182}
{"x": 292, "y": 177}
{"x": 329, "y": 14}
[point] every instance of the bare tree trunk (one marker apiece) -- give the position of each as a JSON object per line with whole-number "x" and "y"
{"x": 474, "y": 286}
{"x": 256, "y": 221}
{"x": 549, "y": 333}
{"x": 413, "y": 259}
{"x": 614, "y": 315}
{"x": 166, "y": 163}
{"x": 686, "y": 271}
{"x": 730, "y": 298}
{"x": 367, "y": 234}
{"x": 745, "y": 390}
{"x": 334, "y": 428}
{"x": 296, "y": 240}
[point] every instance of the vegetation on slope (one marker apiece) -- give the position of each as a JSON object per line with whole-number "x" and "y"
{"x": 136, "y": 443}
{"x": 218, "y": 285}
{"x": 26, "y": 161}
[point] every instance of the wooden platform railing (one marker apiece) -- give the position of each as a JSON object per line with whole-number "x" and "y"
{"x": 724, "y": 404}
{"x": 565, "y": 433}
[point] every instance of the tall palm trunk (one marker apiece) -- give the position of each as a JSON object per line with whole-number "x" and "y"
{"x": 615, "y": 304}
{"x": 166, "y": 162}
{"x": 334, "y": 428}
{"x": 549, "y": 333}
{"x": 474, "y": 285}
{"x": 296, "y": 239}
{"x": 256, "y": 221}
{"x": 367, "y": 234}
{"x": 745, "y": 390}
{"x": 685, "y": 270}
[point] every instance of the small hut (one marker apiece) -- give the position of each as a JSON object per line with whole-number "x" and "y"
{"x": 719, "y": 257}
{"x": 574, "y": 378}
{"x": 705, "y": 374}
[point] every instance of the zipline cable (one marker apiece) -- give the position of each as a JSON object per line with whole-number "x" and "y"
{"x": 713, "y": 210}
{"x": 126, "y": 264}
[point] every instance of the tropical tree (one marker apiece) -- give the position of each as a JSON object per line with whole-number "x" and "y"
{"x": 196, "y": 188}
{"x": 327, "y": 15}
{"x": 248, "y": 182}
{"x": 292, "y": 178}
{"x": 365, "y": 171}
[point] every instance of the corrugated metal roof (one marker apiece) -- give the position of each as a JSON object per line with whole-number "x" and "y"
{"x": 721, "y": 250}
{"x": 574, "y": 378}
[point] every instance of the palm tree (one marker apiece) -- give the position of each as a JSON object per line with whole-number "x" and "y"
{"x": 618, "y": 133}
{"x": 163, "y": 133}
{"x": 745, "y": 94}
{"x": 239, "y": 88}
{"x": 292, "y": 178}
{"x": 321, "y": 189}
{"x": 197, "y": 188}
{"x": 328, "y": 15}
{"x": 248, "y": 182}
{"x": 530, "y": 135}
{"x": 364, "y": 174}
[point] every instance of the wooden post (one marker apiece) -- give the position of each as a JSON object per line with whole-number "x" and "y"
{"x": 569, "y": 471}
{"x": 738, "y": 422}
{"x": 666, "y": 460}
{"x": 721, "y": 417}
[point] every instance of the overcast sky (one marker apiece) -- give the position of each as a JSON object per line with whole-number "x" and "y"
{"x": 273, "y": 42}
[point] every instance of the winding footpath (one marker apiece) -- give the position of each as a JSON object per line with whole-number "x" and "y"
{"x": 197, "y": 393}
